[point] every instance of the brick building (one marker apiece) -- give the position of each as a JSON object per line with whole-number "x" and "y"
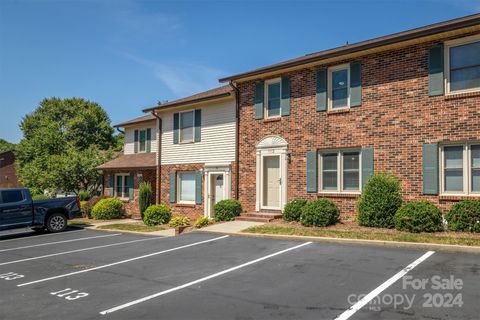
{"x": 8, "y": 173}
{"x": 407, "y": 104}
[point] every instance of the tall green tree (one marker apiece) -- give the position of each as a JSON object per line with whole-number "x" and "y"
{"x": 5, "y": 145}
{"x": 64, "y": 140}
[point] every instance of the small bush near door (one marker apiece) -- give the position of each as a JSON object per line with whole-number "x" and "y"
{"x": 202, "y": 222}
{"x": 319, "y": 213}
{"x": 157, "y": 214}
{"x": 419, "y": 216}
{"x": 464, "y": 216}
{"x": 106, "y": 209}
{"x": 179, "y": 221}
{"x": 379, "y": 201}
{"x": 293, "y": 210}
{"x": 144, "y": 196}
{"x": 227, "y": 210}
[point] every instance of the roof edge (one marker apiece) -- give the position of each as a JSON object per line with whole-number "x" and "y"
{"x": 186, "y": 103}
{"x": 444, "y": 26}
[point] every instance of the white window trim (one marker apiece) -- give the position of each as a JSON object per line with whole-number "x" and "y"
{"x": 180, "y": 127}
{"x": 339, "y": 172}
{"x": 467, "y": 170}
{"x": 329, "y": 84}
{"x": 179, "y": 187}
{"x": 139, "y": 131}
{"x": 122, "y": 196}
{"x": 446, "y": 59}
{"x": 265, "y": 105}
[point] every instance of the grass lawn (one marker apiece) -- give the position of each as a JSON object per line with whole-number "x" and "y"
{"x": 346, "y": 231}
{"x": 136, "y": 226}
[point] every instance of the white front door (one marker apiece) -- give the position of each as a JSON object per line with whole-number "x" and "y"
{"x": 271, "y": 182}
{"x": 218, "y": 188}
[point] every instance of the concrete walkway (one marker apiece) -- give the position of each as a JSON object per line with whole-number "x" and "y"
{"x": 231, "y": 226}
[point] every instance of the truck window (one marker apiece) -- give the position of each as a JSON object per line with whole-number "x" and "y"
{"x": 9, "y": 196}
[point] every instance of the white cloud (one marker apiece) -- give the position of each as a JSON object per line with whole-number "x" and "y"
{"x": 181, "y": 78}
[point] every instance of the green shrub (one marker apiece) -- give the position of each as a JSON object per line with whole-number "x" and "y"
{"x": 319, "y": 213}
{"x": 84, "y": 195}
{"x": 87, "y": 207}
{"x": 179, "y": 221}
{"x": 227, "y": 210}
{"x": 379, "y": 201}
{"x": 202, "y": 222}
{"x": 293, "y": 209}
{"x": 105, "y": 209}
{"x": 419, "y": 216}
{"x": 464, "y": 216}
{"x": 40, "y": 197}
{"x": 157, "y": 214}
{"x": 144, "y": 196}
{"x": 83, "y": 204}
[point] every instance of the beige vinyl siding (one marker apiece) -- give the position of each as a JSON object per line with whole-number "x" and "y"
{"x": 217, "y": 143}
{"x": 129, "y": 147}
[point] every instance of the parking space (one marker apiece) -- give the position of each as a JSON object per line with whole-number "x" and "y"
{"x": 91, "y": 274}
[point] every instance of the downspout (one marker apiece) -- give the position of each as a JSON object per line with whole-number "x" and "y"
{"x": 159, "y": 158}
{"x": 237, "y": 140}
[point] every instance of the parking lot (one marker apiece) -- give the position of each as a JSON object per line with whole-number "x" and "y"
{"x": 83, "y": 274}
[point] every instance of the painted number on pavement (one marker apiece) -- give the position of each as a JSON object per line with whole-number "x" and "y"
{"x": 11, "y": 276}
{"x": 69, "y": 294}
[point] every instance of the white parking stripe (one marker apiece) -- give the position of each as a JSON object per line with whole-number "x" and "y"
{"x": 120, "y": 262}
{"x": 80, "y": 250}
{"x": 33, "y": 237}
{"x": 189, "y": 284}
{"x": 63, "y": 241}
{"x": 362, "y": 302}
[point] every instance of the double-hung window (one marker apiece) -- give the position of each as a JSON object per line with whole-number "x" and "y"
{"x": 339, "y": 87}
{"x": 460, "y": 169}
{"x": 273, "y": 89}
{"x": 142, "y": 140}
{"x": 187, "y": 125}
{"x": 186, "y": 187}
{"x": 121, "y": 185}
{"x": 339, "y": 171}
{"x": 463, "y": 65}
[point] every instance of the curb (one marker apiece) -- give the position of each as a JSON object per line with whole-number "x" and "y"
{"x": 153, "y": 233}
{"x": 382, "y": 243}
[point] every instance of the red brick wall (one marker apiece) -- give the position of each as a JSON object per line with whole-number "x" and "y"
{"x": 132, "y": 206}
{"x": 396, "y": 117}
{"x": 8, "y": 173}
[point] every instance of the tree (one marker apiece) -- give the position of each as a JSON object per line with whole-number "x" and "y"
{"x": 64, "y": 140}
{"x": 5, "y": 145}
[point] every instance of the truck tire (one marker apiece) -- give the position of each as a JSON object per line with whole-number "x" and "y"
{"x": 56, "y": 222}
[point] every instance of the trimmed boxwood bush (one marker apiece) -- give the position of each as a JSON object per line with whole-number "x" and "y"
{"x": 319, "y": 213}
{"x": 379, "y": 201}
{"x": 106, "y": 209}
{"x": 419, "y": 216}
{"x": 157, "y": 214}
{"x": 179, "y": 221}
{"x": 464, "y": 216}
{"x": 293, "y": 210}
{"x": 227, "y": 210}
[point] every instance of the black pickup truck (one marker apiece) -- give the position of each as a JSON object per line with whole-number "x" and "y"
{"x": 18, "y": 210}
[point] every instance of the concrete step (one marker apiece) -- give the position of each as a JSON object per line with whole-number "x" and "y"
{"x": 245, "y": 218}
{"x": 259, "y": 216}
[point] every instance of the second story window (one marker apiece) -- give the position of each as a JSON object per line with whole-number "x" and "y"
{"x": 463, "y": 65}
{"x": 142, "y": 141}
{"x": 339, "y": 84}
{"x": 187, "y": 126}
{"x": 273, "y": 96}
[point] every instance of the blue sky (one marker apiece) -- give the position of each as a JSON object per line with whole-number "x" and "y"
{"x": 127, "y": 55}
